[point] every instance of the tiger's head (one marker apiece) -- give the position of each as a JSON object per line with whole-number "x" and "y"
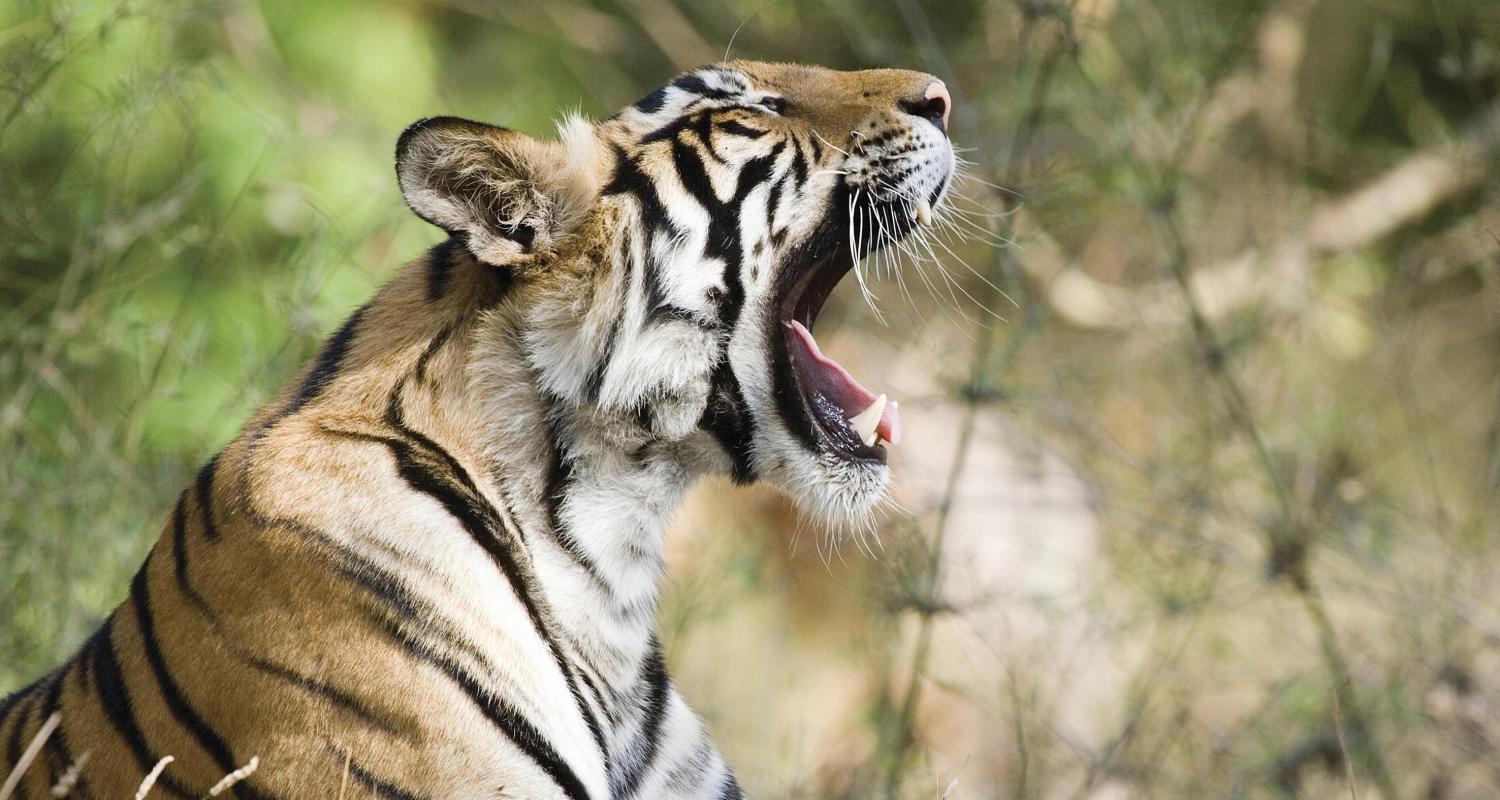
{"x": 674, "y": 257}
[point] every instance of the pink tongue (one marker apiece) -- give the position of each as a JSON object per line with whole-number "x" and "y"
{"x": 836, "y": 384}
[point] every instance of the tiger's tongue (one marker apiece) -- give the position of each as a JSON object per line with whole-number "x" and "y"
{"x": 860, "y": 405}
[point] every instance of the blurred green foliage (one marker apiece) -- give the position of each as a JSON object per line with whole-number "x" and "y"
{"x": 1254, "y": 249}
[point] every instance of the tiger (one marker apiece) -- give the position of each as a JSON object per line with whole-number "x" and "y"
{"x": 430, "y": 567}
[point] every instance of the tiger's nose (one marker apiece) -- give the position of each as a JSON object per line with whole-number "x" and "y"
{"x": 938, "y": 101}
{"x": 934, "y": 105}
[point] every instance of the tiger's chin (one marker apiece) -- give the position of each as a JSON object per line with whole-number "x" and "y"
{"x": 838, "y": 495}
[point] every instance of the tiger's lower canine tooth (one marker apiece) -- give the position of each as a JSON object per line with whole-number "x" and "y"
{"x": 865, "y": 422}
{"x": 924, "y": 212}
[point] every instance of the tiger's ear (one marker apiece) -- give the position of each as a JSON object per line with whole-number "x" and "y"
{"x": 506, "y": 194}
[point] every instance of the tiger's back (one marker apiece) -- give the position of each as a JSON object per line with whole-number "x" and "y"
{"x": 255, "y": 630}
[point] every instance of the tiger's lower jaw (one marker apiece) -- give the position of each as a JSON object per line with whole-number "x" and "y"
{"x": 819, "y": 401}
{"x": 828, "y": 445}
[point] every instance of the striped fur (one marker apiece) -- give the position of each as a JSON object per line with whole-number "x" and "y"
{"x": 430, "y": 569}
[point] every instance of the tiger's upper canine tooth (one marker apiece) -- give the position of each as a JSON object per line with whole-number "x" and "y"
{"x": 924, "y": 212}
{"x": 866, "y": 421}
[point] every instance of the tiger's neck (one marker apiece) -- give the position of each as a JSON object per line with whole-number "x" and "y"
{"x": 591, "y": 492}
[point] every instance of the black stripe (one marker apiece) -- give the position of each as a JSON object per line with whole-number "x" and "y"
{"x": 630, "y": 179}
{"x": 799, "y": 162}
{"x": 724, "y": 235}
{"x": 182, "y": 710}
{"x": 59, "y": 753}
{"x": 18, "y": 739}
{"x": 389, "y": 791}
{"x": 432, "y": 349}
{"x": 773, "y": 204}
{"x": 508, "y": 720}
{"x": 109, "y": 684}
{"x": 14, "y": 698}
{"x": 668, "y": 312}
{"x": 476, "y": 518}
{"x": 654, "y": 674}
{"x": 204, "y": 487}
{"x": 82, "y": 677}
{"x": 654, "y": 294}
{"x": 559, "y": 478}
{"x": 497, "y": 282}
{"x": 727, "y": 414}
{"x": 599, "y": 699}
{"x": 595, "y": 381}
{"x": 727, "y": 417}
{"x": 731, "y": 788}
{"x": 84, "y": 662}
{"x": 483, "y": 524}
{"x": 54, "y": 692}
{"x": 440, "y": 267}
{"x": 694, "y": 84}
{"x": 700, "y": 124}
{"x": 180, "y": 559}
{"x": 695, "y": 180}
{"x": 396, "y": 418}
{"x": 519, "y": 730}
{"x": 587, "y": 668}
{"x": 392, "y": 597}
{"x": 736, "y": 128}
{"x": 58, "y": 756}
{"x": 405, "y": 729}
{"x": 653, "y": 102}
{"x": 655, "y": 221}
{"x": 755, "y": 172}
{"x": 380, "y": 583}
{"x": 327, "y": 365}
{"x": 387, "y": 588}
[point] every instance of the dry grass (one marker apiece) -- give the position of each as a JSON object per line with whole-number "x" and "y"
{"x": 29, "y": 755}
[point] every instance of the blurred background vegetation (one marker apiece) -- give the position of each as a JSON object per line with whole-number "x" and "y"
{"x": 1211, "y": 510}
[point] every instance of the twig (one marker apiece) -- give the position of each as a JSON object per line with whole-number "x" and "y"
{"x": 150, "y": 781}
{"x": 1287, "y": 537}
{"x": 1396, "y": 199}
{"x": 974, "y": 393}
{"x": 1338, "y": 728}
{"x": 69, "y": 779}
{"x": 233, "y": 778}
{"x": 37, "y": 740}
{"x": 344, "y": 781}
{"x": 671, "y": 31}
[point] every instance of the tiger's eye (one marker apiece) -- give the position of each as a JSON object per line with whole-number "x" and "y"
{"x": 776, "y": 105}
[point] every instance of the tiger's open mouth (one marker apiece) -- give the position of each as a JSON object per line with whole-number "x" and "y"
{"x": 844, "y": 416}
